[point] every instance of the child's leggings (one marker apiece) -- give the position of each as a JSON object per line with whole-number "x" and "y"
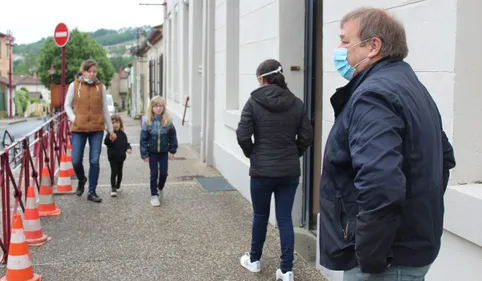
{"x": 116, "y": 173}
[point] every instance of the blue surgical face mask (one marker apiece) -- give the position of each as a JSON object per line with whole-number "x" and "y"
{"x": 342, "y": 65}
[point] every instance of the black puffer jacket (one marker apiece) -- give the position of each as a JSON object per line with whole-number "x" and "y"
{"x": 281, "y": 130}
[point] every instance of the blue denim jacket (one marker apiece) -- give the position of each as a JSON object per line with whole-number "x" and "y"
{"x": 157, "y": 139}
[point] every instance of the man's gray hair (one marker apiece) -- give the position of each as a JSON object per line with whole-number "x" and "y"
{"x": 373, "y": 22}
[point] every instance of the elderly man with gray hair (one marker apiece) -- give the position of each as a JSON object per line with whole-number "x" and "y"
{"x": 387, "y": 159}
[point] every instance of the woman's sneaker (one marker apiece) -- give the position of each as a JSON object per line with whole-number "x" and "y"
{"x": 245, "y": 261}
{"x": 113, "y": 192}
{"x": 288, "y": 276}
{"x": 155, "y": 201}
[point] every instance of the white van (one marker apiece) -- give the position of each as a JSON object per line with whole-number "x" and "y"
{"x": 110, "y": 104}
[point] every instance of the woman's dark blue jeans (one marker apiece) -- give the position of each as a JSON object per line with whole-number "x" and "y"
{"x": 284, "y": 189}
{"x": 95, "y": 147}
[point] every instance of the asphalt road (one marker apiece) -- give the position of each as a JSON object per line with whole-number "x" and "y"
{"x": 18, "y": 130}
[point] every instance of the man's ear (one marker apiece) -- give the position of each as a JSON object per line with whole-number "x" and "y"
{"x": 376, "y": 47}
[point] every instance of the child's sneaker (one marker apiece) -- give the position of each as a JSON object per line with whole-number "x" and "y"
{"x": 155, "y": 201}
{"x": 113, "y": 192}
{"x": 160, "y": 195}
{"x": 251, "y": 266}
{"x": 288, "y": 276}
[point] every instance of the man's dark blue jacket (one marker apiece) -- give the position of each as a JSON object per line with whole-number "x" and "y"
{"x": 385, "y": 170}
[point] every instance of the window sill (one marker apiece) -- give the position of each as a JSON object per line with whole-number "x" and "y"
{"x": 463, "y": 206}
{"x": 231, "y": 118}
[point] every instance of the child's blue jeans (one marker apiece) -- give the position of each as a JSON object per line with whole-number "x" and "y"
{"x": 158, "y": 166}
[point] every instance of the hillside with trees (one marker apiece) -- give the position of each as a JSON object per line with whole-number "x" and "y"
{"x": 115, "y": 40}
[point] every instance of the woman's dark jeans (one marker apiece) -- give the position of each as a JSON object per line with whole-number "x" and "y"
{"x": 95, "y": 147}
{"x": 284, "y": 189}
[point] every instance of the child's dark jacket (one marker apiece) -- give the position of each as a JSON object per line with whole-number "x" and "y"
{"x": 157, "y": 139}
{"x": 116, "y": 150}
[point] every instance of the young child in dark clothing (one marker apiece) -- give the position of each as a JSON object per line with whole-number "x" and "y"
{"x": 116, "y": 153}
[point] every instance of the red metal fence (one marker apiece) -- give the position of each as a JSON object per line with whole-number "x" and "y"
{"x": 41, "y": 147}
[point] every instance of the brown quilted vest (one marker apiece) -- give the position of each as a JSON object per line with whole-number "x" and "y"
{"x": 87, "y": 104}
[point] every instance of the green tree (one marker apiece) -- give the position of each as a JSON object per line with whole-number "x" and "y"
{"x": 81, "y": 47}
{"x": 21, "y": 101}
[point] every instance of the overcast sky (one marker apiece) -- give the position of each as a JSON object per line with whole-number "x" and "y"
{"x": 31, "y": 20}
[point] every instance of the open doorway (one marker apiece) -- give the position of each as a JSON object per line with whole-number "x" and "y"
{"x": 313, "y": 97}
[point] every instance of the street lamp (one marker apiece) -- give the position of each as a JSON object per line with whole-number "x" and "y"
{"x": 51, "y": 72}
{"x": 10, "y": 40}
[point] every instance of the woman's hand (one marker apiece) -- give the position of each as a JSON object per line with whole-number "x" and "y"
{"x": 129, "y": 151}
{"x": 112, "y": 137}
{"x": 171, "y": 156}
{"x": 146, "y": 159}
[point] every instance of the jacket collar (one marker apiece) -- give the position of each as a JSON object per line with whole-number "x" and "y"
{"x": 343, "y": 94}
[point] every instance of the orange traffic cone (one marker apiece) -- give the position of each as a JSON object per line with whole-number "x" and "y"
{"x": 69, "y": 159}
{"x": 46, "y": 204}
{"x": 64, "y": 182}
{"x": 19, "y": 264}
{"x": 33, "y": 228}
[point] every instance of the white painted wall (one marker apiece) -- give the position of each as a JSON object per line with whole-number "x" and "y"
{"x": 245, "y": 34}
{"x": 276, "y": 25}
{"x": 441, "y": 53}
{"x": 177, "y": 71}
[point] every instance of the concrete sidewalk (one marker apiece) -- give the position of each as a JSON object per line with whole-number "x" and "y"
{"x": 194, "y": 235}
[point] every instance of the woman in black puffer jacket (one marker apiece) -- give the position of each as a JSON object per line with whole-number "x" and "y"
{"x": 282, "y": 133}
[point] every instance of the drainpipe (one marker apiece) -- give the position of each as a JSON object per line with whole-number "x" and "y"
{"x": 204, "y": 82}
{"x": 309, "y": 95}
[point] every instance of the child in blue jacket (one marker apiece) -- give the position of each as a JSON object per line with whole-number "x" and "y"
{"x": 158, "y": 144}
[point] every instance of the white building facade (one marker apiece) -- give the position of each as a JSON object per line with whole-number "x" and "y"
{"x": 213, "y": 47}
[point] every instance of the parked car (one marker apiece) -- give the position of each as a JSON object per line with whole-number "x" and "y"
{"x": 110, "y": 104}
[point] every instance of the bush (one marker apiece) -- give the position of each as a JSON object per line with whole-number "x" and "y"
{"x": 21, "y": 101}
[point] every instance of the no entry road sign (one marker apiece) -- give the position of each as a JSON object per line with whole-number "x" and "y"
{"x": 61, "y": 35}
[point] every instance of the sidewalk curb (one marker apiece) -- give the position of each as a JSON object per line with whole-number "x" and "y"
{"x": 24, "y": 120}
{"x": 17, "y": 121}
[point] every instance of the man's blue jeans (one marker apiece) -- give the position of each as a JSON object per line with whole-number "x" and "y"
{"x": 284, "y": 189}
{"x": 393, "y": 273}
{"x": 95, "y": 147}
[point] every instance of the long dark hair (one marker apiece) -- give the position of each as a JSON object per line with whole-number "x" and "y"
{"x": 274, "y": 78}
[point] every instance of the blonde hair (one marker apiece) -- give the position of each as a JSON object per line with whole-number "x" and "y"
{"x": 116, "y": 117}
{"x": 165, "y": 117}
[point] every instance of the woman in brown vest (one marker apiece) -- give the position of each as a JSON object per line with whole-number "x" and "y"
{"x": 89, "y": 117}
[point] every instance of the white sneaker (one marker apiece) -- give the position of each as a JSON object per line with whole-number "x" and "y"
{"x": 251, "y": 266}
{"x": 155, "y": 201}
{"x": 160, "y": 195}
{"x": 288, "y": 276}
